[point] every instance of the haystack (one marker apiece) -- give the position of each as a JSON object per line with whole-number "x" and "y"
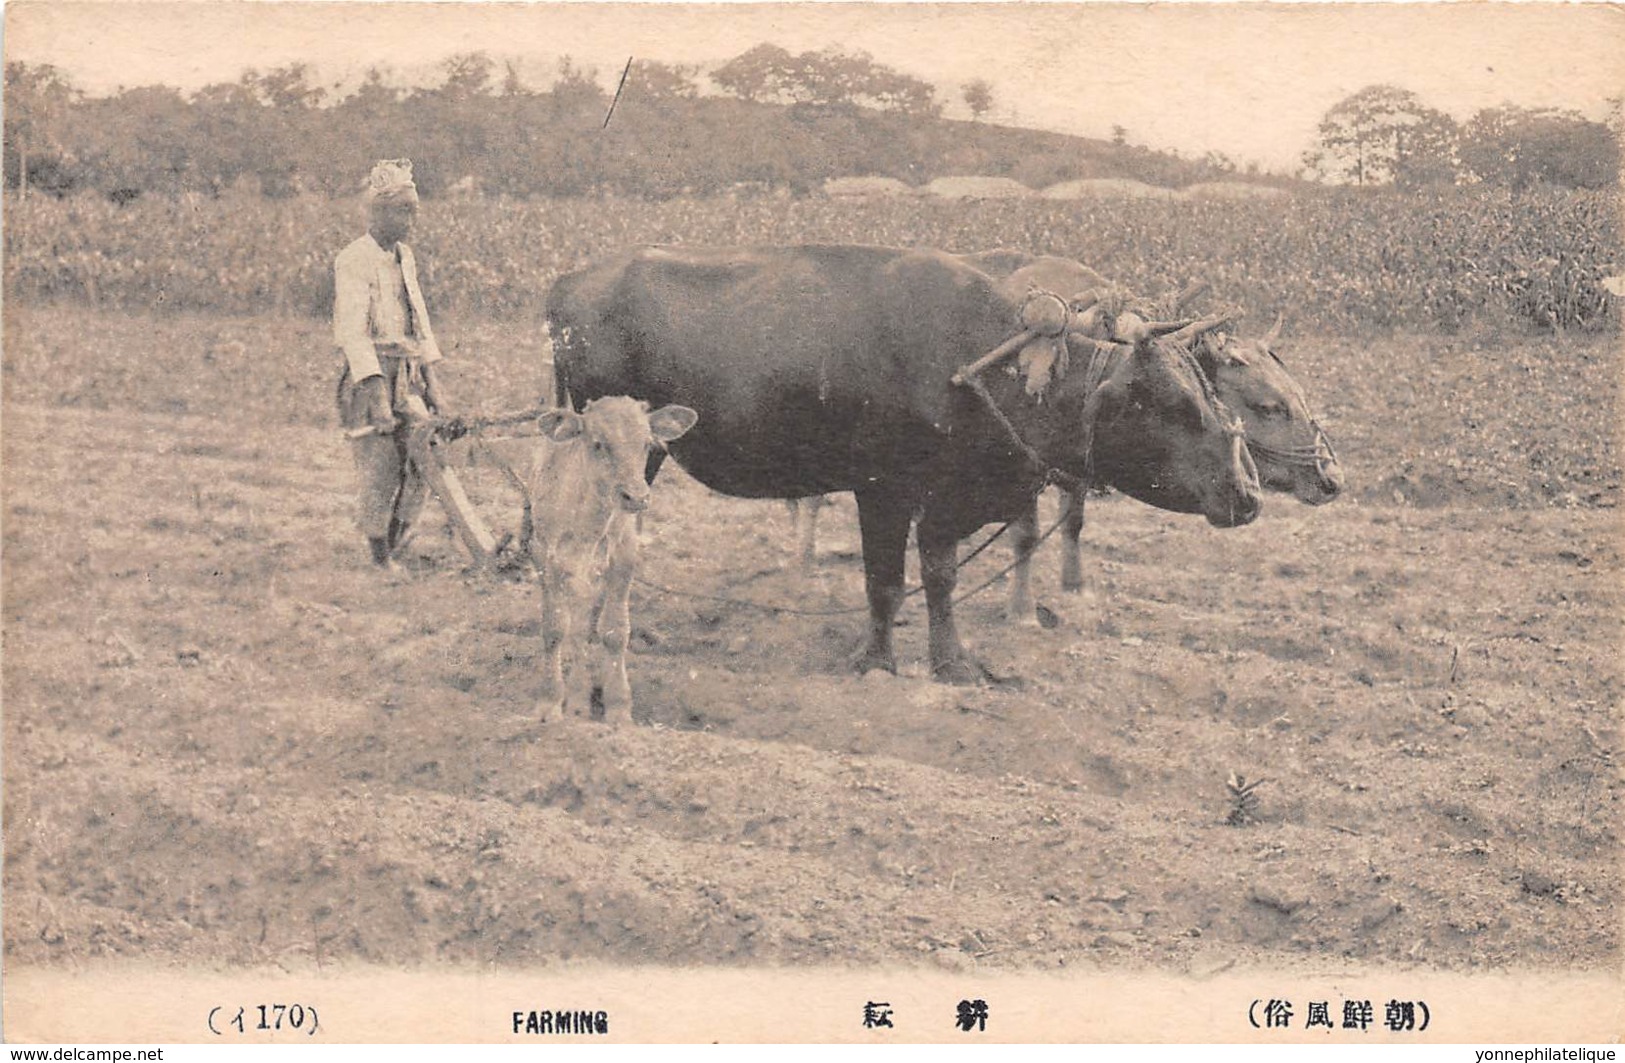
{"x": 973, "y": 187}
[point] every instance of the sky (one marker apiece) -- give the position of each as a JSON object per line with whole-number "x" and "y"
{"x": 1251, "y": 80}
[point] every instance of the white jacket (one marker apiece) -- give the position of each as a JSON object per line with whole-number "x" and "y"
{"x": 368, "y": 308}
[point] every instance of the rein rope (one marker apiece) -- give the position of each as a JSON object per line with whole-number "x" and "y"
{"x": 969, "y": 377}
{"x": 1052, "y": 475}
{"x": 846, "y": 611}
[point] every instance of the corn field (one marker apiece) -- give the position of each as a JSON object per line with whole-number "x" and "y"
{"x": 1343, "y": 260}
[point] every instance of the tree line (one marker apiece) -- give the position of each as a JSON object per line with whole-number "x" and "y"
{"x": 767, "y": 118}
{"x": 1386, "y": 135}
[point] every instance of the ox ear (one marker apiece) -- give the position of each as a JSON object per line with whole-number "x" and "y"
{"x": 670, "y": 422}
{"x": 1105, "y": 396}
{"x": 561, "y": 424}
{"x": 1211, "y": 352}
{"x": 1224, "y": 350}
{"x": 1145, "y": 348}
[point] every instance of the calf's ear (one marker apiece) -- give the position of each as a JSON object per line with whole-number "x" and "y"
{"x": 670, "y": 422}
{"x": 561, "y": 424}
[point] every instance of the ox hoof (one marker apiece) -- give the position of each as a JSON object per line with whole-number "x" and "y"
{"x": 968, "y": 671}
{"x": 618, "y": 716}
{"x": 869, "y": 661}
{"x": 549, "y": 710}
{"x": 961, "y": 671}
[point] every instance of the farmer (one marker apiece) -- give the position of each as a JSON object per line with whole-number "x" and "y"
{"x": 381, "y": 325}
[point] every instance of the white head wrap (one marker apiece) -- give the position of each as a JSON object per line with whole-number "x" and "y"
{"x": 391, "y": 182}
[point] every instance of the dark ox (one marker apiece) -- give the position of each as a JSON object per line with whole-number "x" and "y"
{"x": 828, "y": 368}
{"x": 1287, "y": 444}
{"x": 1292, "y": 452}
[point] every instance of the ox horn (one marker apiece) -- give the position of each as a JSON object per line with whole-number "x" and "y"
{"x": 1202, "y": 325}
{"x": 1163, "y": 328}
{"x": 1275, "y": 330}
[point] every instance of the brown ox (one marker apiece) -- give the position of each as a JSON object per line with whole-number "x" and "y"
{"x": 584, "y": 491}
{"x": 1288, "y": 446}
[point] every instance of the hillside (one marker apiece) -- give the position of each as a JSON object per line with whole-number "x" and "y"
{"x": 802, "y": 146}
{"x": 154, "y": 140}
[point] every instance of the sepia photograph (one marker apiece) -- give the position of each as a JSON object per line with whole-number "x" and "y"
{"x": 837, "y": 522}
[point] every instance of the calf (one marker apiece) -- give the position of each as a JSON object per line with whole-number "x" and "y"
{"x": 584, "y": 491}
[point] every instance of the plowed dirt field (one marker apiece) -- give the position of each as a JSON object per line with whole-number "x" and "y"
{"x": 228, "y": 741}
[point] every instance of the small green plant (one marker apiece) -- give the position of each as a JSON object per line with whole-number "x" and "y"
{"x": 1243, "y": 800}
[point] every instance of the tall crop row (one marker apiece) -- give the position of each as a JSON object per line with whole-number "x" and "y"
{"x": 1342, "y": 261}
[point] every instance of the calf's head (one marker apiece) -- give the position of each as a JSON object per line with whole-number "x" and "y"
{"x": 1157, "y": 432}
{"x": 616, "y": 434}
{"x": 1292, "y": 451}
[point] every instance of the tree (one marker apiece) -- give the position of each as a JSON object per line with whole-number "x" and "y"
{"x": 513, "y": 87}
{"x": 1516, "y": 147}
{"x": 663, "y": 81}
{"x": 823, "y": 80}
{"x": 38, "y": 99}
{"x": 1219, "y": 164}
{"x": 978, "y": 96}
{"x": 1384, "y": 134}
{"x": 569, "y": 160}
{"x": 374, "y": 92}
{"x": 228, "y": 127}
{"x": 143, "y": 139}
{"x": 468, "y": 75}
{"x": 577, "y": 86}
{"x": 284, "y": 152}
{"x": 287, "y": 87}
{"x": 1425, "y": 151}
{"x": 891, "y": 90}
{"x": 755, "y": 75}
{"x": 361, "y": 127}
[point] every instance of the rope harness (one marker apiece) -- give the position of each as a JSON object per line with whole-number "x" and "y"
{"x": 1319, "y": 456}
{"x": 1048, "y": 325}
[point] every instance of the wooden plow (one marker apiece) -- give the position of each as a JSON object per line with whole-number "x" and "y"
{"x": 425, "y": 435}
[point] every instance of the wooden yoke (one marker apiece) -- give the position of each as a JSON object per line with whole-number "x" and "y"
{"x": 1003, "y": 350}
